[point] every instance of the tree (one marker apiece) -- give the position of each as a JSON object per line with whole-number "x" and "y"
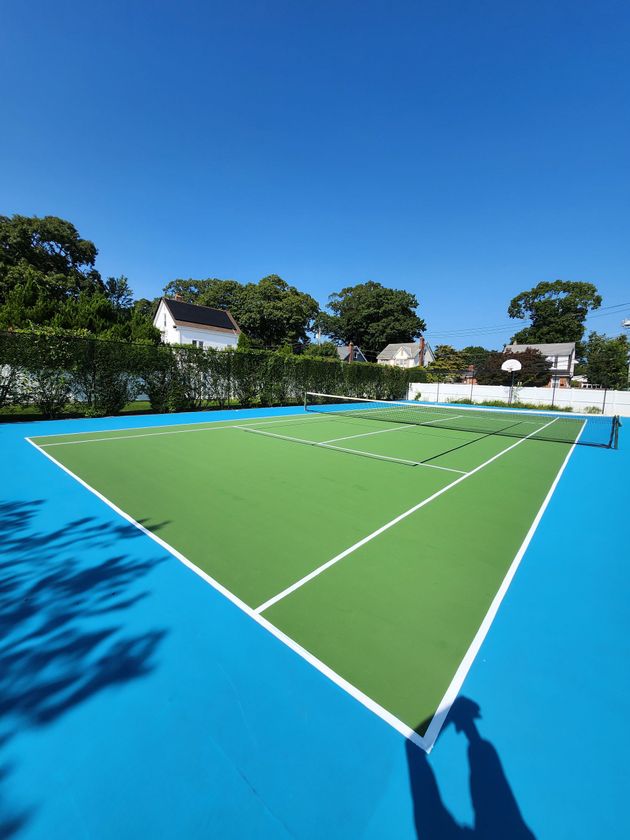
{"x": 118, "y": 292}
{"x": 448, "y": 364}
{"x": 534, "y": 371}
{"x": 325, "y": 350}
{"x": 557, "y": 311}
{"x": 607, "y": 361}
{"x": 49, "y": 244}
{"x": 474, "y": 355}
{"x": 371, "y": 316}
{"x": 48, "y": 279}
{"x": 270, "y": 312}
{"x": 447, "y": 358}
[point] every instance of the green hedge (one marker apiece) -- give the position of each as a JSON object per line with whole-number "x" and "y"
{"x": 100, "y": 377}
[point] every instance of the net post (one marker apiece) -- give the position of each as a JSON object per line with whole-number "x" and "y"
{"x": 615, "y": 433}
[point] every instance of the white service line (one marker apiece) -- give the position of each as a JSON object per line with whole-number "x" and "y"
{"x": 209, "y": 428}
{"x": 443, "y": 420}
{"x": 307, "y": 578}
{"x": 326, "y": 670}
{"x": 401, "y": 428}
{"x": 433, "y": 730}
{"x": 363, "y": 452}
{"x": 425, "y": 742}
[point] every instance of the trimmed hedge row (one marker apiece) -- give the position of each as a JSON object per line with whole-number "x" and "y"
{"x": 101, "y": 377}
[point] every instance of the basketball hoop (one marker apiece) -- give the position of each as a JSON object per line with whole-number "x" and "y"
{"x": 511, "y": 366}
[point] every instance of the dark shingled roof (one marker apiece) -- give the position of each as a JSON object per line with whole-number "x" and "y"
{"x": 195, "y": 314}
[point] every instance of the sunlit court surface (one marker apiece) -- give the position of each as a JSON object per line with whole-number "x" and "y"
{"x": 376, "y": 542}
{"x": 334, "y": 528}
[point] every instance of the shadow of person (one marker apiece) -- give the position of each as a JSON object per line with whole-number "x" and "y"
{"x": 496, "y": 812}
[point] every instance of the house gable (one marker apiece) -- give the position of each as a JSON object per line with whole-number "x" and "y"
{"x": 186, "y": 323}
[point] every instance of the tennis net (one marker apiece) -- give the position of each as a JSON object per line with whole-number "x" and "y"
{"x": 593, "y": 430}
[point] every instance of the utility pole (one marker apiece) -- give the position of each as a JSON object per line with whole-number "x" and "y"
{"x": 626, "y": 325}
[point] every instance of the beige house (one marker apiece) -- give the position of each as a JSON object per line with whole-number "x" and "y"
{"x": 406, "y": 355}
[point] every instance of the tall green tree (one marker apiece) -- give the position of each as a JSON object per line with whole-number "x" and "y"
{"x": 474, "y": 354}
{"x": 49, "y": 244}
{"x": 447, "y": 358}
{"x": 447, "y": 365}
{"x": 607, "y": 361}
{"x": 271, "y": 312}
{"x": 557, "y": 311}
{"x": 534, "y": 369}
{"x": 48, "y": 279}
{"x": 370, "y": 316}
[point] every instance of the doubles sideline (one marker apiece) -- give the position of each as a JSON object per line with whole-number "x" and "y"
{"x": 318, "y": 571}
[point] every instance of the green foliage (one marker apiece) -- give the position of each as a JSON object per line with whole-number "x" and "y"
{"x": 535, "y": 369}
{"x": 106, "y": 376}
{"x": 50, "y": 369}
{"x": 557, "y": 310}
{"x": 271, "y": 312}
{"x": 244, "y": 342}
{"x": 158, "y": 374}
{"x": 371, "y": 316}
{"x": 325, "y": 350}
{"x": 474, "y": 354}
{"x": 50, "y": 245}
{"x": 607, "y": 361}
{"x": 517, "y": 404}
{"x": 47, "y": 278}
{"x": 448, "y": 366}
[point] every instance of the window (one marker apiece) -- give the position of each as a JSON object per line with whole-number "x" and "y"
{"x": 196, "y": 343}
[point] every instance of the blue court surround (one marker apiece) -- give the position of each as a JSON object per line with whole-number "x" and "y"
{"x": 137, "y": 701}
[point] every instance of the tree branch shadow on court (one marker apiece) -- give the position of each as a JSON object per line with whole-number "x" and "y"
{"x": 497, "y": 815}
{"x": 62, "y": 633}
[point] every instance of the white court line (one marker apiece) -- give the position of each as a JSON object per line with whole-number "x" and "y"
{"x": 427, "y": 742}
{"x": 307, "y": 578}
{"x": 336, "y": 678}
{"x": 366, "y": 453}
{"x": 173, "y": 431}
{"x": 141, "y": 428}
{"x": 433, "y": 730}
{"x": 401, "y": 428}
{"x": 443, "y": 419}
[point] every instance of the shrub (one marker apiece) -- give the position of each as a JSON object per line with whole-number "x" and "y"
{"x": 49, "y": 370}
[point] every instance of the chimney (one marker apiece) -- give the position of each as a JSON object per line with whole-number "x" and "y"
{"x": 421, "y": 351}
{"x": 179, "y": 298}
{"x": 351, "y": 352}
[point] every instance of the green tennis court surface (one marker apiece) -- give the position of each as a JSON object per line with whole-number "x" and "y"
{"x": 383, "y": 571}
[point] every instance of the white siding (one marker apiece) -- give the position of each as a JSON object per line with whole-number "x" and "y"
{"x": 210, "y": 338}
{"x": 173, "y": 334}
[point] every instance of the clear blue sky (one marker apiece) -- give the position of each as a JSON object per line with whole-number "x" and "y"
{"x": 461, "y": 150}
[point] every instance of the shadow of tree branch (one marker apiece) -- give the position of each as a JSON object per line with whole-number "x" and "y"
{"x": 62, "y": 633}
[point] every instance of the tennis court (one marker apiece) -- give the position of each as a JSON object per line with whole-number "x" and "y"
{"x": 377, "y": 540}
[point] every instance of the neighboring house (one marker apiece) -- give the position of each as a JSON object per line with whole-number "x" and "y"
{"x": 201, "y": 326}
{"x": 561, "y": 356}
{"x": 348, "y": 352}
{"x": 407, "y": 355}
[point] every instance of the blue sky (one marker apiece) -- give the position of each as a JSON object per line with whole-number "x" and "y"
{"x": 464, "y": 151}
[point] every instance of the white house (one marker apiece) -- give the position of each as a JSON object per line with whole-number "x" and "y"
{"x": 201, "y": 326}
{"x": 345, "y": 350}
{"x": 407, "y": 355}
{"x": 561, "y": 356}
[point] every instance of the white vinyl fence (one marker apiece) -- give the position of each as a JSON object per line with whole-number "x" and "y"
{"x": 580, "y": 400}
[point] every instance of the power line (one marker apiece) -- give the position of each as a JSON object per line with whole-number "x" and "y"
{"x": 602, "y": 312}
